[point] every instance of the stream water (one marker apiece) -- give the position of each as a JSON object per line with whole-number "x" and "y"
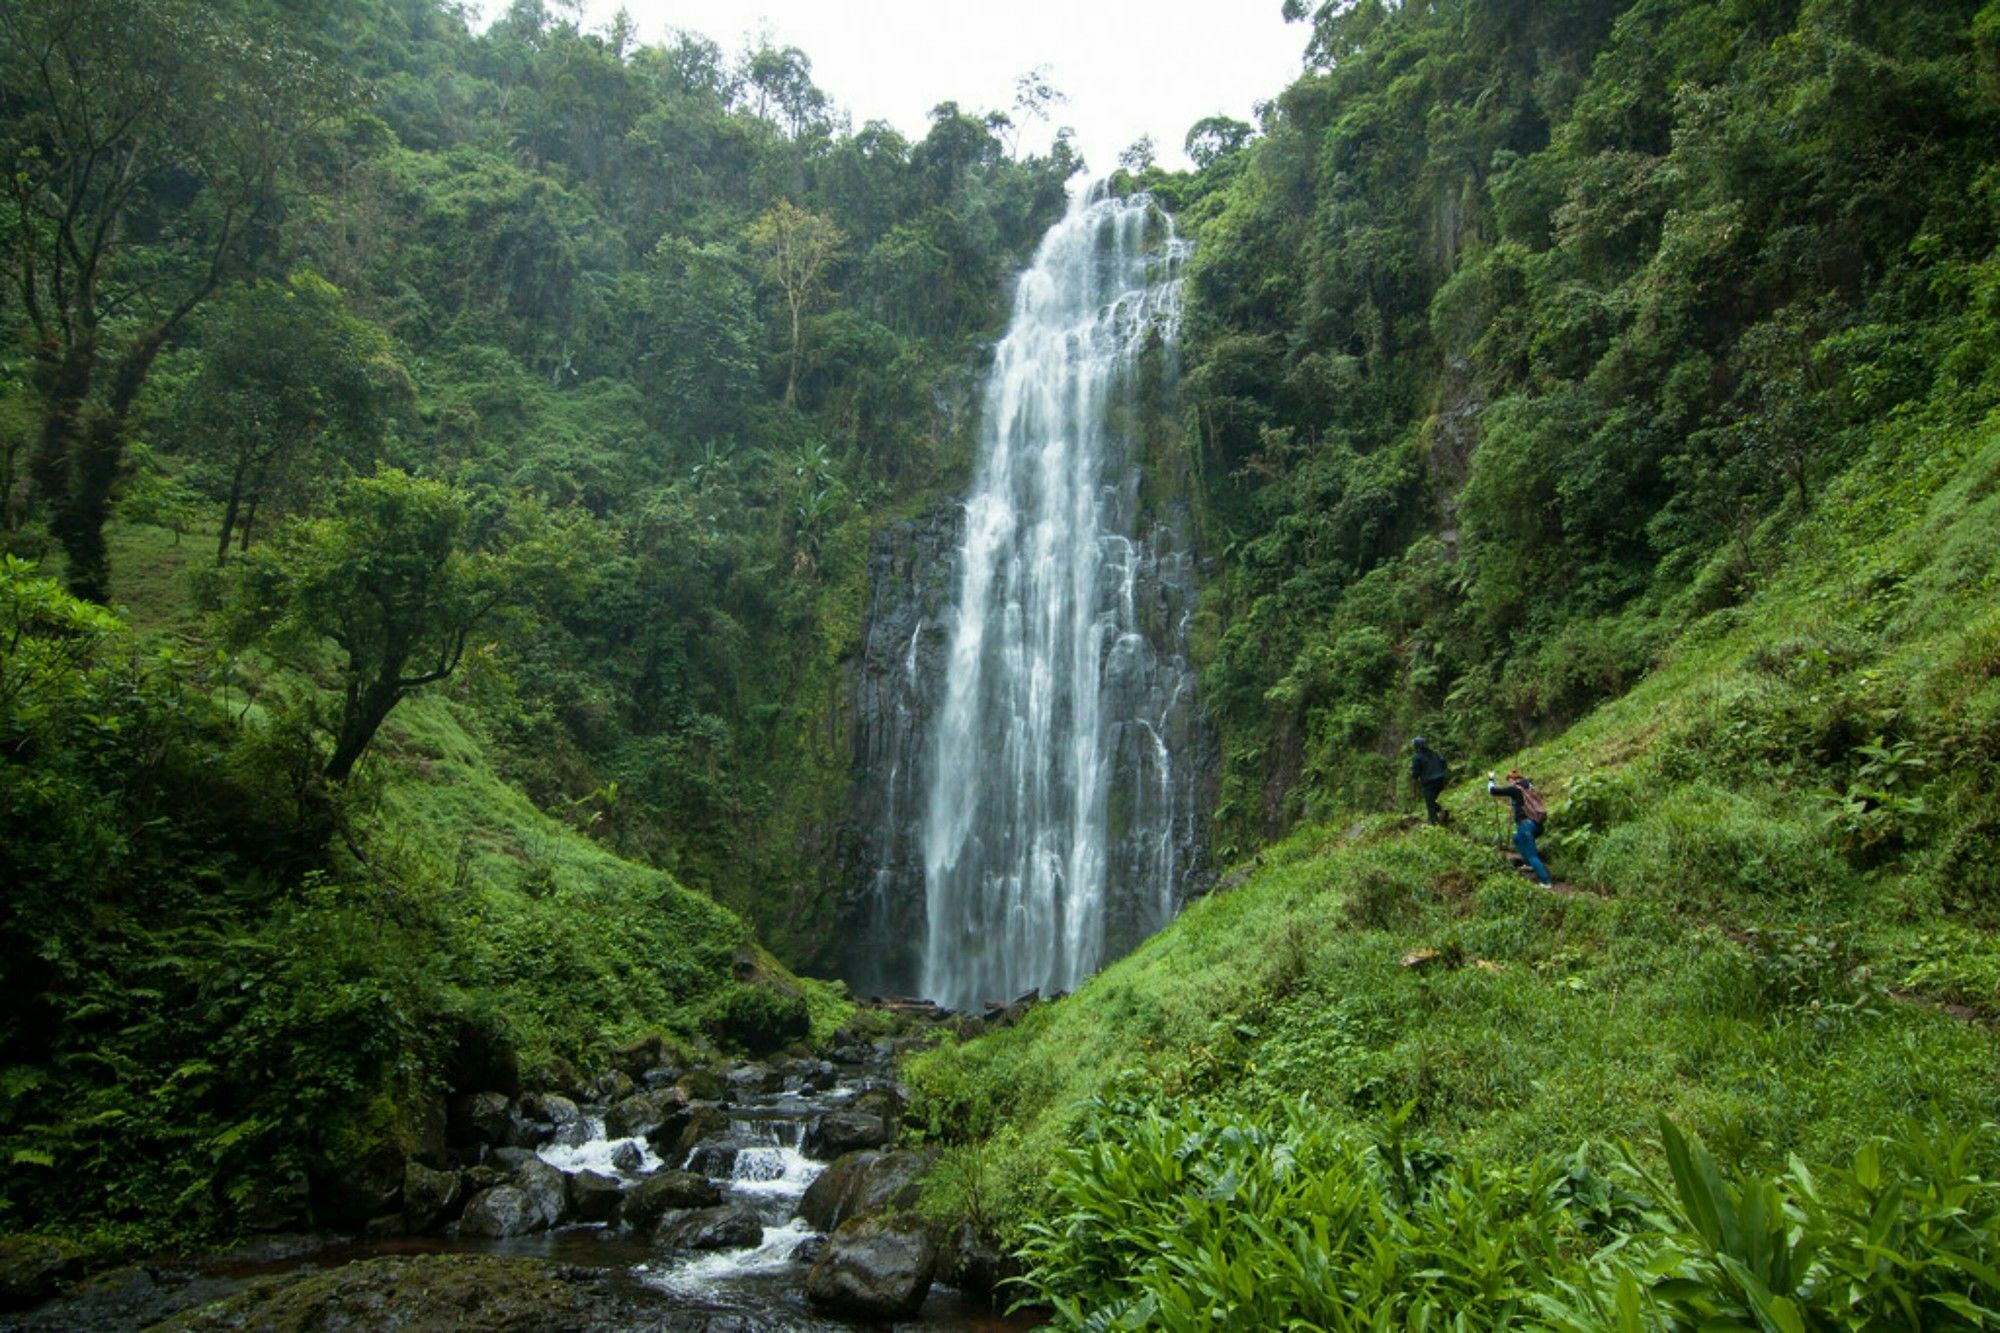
{"x": 757, "y": 1163}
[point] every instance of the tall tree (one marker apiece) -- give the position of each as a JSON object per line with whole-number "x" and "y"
{"x": 143, "y": 144}
{"x": 797, "y": 247}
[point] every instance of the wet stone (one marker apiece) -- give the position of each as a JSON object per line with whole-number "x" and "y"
{"x": 481, "y": 1117}
{"x": 714, "y": 1158}
{"x": 430, "y": 1198}
{"x": 839, "y": 1132}
{"x": 729, "y": 1227}
{"x": 498, "y": 1213}
{"x": 575, "y": 1134}
{"x": 666, "y": 1191}
{"x": 594, "y": 1196}
{"x": 878, "y": 1267}
{"x": 755, "y": 1079}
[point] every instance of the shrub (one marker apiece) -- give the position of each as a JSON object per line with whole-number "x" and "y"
{"x": 1176, "y": 1218}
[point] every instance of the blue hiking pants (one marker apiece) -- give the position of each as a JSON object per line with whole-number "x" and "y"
{"x": 1524, "y": 843}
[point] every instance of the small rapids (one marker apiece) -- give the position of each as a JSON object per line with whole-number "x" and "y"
{"x": 754, "y": 1158}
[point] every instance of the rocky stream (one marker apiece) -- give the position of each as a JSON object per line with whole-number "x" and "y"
{"x": 727, "y": 1198}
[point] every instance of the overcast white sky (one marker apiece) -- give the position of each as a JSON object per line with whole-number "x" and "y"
{"x": 1128, "y": 67}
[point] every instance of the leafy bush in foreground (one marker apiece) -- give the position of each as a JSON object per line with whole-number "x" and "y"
{"x": 1183, "y": 1219}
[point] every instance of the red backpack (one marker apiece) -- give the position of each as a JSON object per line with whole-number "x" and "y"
{"x": 1531, "y": 803}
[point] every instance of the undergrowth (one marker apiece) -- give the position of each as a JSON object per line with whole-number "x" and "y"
{"x": 1777, "y": 852}
{"x": 1177, "y": 1218}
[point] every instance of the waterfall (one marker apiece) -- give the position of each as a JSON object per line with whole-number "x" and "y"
{"x": 1054, "y": 818}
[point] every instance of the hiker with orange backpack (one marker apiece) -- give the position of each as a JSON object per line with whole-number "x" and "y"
{"x": 1529, "y": 815}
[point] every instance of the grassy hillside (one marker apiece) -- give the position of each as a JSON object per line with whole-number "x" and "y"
{"x": 1781, "y": 852}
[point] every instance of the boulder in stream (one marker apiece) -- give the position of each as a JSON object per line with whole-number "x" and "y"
{"x": 549, "y": 1108}
{"x": 666, "y": 1191}
{"x": 844, "y": 1131}
{"x": 642, "y": 1113}
{"x": 875, "y": 1267}
{"x": 861, "y": 1183}
{"x": 754, "y": 1078}
{"x": 702, "y": 1085}
{"x": 714, "y": 1158}
{"x": 547, "y": 1190}
{"x": 881, "y": 1099}
{"x": 594, "y": 1196}
{"x": 481, "y": 1118}
{"x": 430, "y": 1198}
{"x": 677, "y": 1137}
{"x": 729, "y": 1227}
{"x": 494, "y": 1214}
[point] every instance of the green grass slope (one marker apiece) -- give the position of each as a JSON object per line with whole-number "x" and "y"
{"x": 1783, "y": 853}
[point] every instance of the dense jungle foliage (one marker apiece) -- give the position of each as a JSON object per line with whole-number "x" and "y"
{"x": 1527, "y": 334}
{"x": 437, "y": 468}
{"x": 481, "y": 432}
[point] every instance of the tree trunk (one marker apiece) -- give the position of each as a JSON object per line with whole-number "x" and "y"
{"x": 792, "y": 369}
{"x": 229, "y": 518}
{"x": 78, "y": 519}
{"x": 364, "y": 713}
{"x": 82, "y": 448}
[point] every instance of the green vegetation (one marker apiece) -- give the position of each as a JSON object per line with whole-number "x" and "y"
{"x": 1271, "y": 1220}
{"x": 1526, "y": 336}
{"x": 488, "y": 368}
{"x": 224, "y": 1006}
{"x": 1608, "y": 390}
{"x": 1603, "y": 386}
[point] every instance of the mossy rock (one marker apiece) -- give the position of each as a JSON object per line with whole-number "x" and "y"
{"x": 425, "y": 1291}
{"x": 32, "y": 1267}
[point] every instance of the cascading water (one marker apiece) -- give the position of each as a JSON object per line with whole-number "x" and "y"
{"x": 1054, "y": 818}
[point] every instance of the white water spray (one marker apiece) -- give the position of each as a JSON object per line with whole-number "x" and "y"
{"x": 1050, "y": 776}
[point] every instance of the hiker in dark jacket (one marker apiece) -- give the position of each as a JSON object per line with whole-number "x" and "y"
{"x": 1527, "y": 824}
{"x": 1427, "y": 769}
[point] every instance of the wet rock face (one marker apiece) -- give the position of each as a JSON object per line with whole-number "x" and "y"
{"x": 499, "y": 1212}
{"x": 547, "y": 1190}
{"x": 912, "y": 569}
{"x": 845, "y": 1131}
{"x": 482, "y": 1117}
{"x": 594, "y": 1196}
{"x": 876, "y": 1267}
{"x": 642, "y": 1112}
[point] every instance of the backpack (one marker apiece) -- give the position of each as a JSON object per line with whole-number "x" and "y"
{"x": 1531, "y": 803}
